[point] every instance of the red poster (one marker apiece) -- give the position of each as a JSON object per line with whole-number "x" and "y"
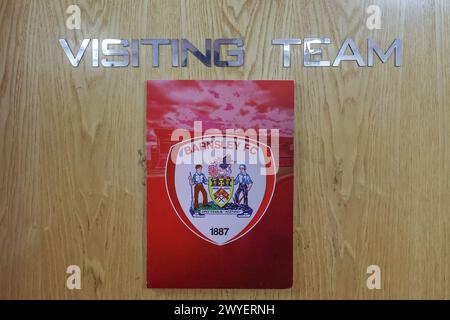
{"x": 220, "y": 184}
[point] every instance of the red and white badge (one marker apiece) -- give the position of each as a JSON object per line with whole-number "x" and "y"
{"x": 220, "y": 187}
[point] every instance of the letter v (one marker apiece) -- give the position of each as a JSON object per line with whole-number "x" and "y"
{"x": 74, "y": 61}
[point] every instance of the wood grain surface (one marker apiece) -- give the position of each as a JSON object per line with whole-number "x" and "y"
{"x": 372, "y": 146}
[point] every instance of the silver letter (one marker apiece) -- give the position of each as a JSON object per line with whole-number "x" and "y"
{"x": 95, "y": 53}
{"x": 74, "y": 61}
{"x": 372, "y": 47}
{"x": 175, "y": 52}
{"x": 155, "y": 48}
{"x": 135, "y": 53}
{"x": 115, "y": 52}
{"x": 239, "y": 54}
{"x": 308, "y": 52}
{"x": 355, "y": 56}
{"x": 286, "y": 49}
{"x": 204, "y": 58}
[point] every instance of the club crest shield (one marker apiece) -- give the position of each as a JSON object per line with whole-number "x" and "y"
{"x": 220, "y": 188}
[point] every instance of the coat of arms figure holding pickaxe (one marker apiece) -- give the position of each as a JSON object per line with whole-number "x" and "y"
{"x": 245, "y": 183}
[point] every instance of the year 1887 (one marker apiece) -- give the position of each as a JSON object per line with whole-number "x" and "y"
{"x": 219, "y": 231}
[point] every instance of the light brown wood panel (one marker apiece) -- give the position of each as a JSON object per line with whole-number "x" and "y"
{"x": 372, "y": 146}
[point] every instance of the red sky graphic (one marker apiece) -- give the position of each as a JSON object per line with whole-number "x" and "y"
{"x": 227, "y": 104}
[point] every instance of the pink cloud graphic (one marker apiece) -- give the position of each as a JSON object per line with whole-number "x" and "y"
{"x": 222, "y": 104}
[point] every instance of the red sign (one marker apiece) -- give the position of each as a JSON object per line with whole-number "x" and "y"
{"x": 219, "y": 184}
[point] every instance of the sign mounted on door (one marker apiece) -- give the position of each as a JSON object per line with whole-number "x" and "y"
{"x": 223, "y": 53}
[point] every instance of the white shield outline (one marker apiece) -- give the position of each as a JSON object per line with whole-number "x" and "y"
{"x": 198, "y": 233}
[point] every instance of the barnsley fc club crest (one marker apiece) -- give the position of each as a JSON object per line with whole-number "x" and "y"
{"x": 220, "y": 187}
